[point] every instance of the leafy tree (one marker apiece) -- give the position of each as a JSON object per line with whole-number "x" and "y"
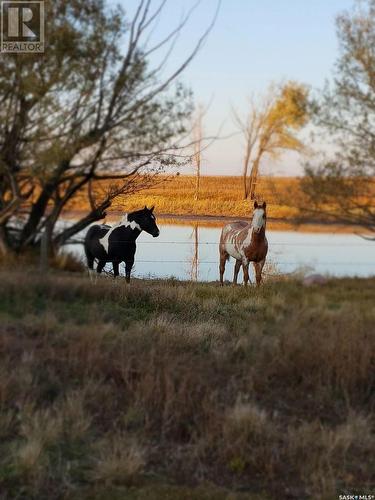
{"x": 91, "y": 108}
{"x": 270, "y": 128}
{"x": 342, "y": 185}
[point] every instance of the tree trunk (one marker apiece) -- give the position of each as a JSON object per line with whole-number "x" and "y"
{"x": 39, "y": 208}
{"x": 44, "y": 252}
{"x": 245, "y": 170}
{"x": 245, "y": 187}
{"x": 4, "y": 247}
{"x": 197, "y": 180}
{"x": 36, "y": 214}
{"x": 253, "y": 178}
{"x": 198, "y": 150}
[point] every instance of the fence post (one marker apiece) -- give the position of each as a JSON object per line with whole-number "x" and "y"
{"x": 44, "y": 252}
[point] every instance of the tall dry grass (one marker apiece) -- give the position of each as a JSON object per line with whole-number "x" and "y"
{"x": 180, "y": 390}
{"x": 219, "y": 196}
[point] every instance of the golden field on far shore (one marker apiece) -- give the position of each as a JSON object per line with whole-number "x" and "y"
{"x": 218, "y": 196}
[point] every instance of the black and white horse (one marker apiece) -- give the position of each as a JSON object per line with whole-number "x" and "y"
{"x": 117, "y": 244}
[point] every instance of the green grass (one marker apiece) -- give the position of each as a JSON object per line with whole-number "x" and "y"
{"x": 184, "y": 391}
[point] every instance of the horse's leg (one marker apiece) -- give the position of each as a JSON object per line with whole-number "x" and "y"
{"x": 237, "y": 266}
{"x": 258, "y": 267}
{"x": 223, "y": 257}
{"x": 115, "y": 266}
{"x": 245, "y": 267}
{"x": 90, "y": 260}
{"x": 100, "y": 266}
{"x": 90, "y": 263}
{"x": 128, "y": 268}
{"x": 92, "y": 275}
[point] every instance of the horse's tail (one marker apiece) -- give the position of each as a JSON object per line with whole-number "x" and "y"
{"x": 92, "y": 233}
{"x": 89, "y": 256}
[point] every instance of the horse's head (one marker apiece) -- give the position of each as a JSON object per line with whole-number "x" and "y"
{"x": 259, "y": 217}
{"x": 146, "y": 220}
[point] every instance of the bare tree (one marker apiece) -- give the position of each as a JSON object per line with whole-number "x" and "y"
{"x": 269, "y": 129}
{"x": 85, "y": 112}
{"x": 198, "y": 146}
{"x": 250, "y": 128}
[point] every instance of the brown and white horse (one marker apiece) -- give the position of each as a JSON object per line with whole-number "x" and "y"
{"x": 246, "y": 243}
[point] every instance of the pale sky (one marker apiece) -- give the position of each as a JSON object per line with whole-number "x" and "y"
{"x": 253, "y": 43}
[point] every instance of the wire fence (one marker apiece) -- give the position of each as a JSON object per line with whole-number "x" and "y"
{"x": 216, "y": 243}
{"x": 202, "y": 261}
{"x": 274, "y": 243}
{"x": 192, "y": 263}
{"x": 194, "y": 244}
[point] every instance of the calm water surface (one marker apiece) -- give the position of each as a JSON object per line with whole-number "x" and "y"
{"x": 191, "y": 252}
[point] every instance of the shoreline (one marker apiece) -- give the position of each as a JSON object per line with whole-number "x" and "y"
{"x": 218, "y": 220}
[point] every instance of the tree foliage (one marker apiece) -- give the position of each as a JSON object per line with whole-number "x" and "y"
{"x": 343, "y": 185}
{"x": 270, "y": 128}
{"x": 91, "y": 108}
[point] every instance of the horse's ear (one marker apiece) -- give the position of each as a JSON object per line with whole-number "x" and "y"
{"x": 255, "y": 204}
{"x": 152, "y": 208}
{"x": 145, "y": 207}
{"x": 264, "y": 205}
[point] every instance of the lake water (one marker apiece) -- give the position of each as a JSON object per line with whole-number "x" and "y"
{"x": 191, "y": 252}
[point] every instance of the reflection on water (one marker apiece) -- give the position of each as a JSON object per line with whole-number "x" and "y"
{"x": 194, "y": 274}
{"x": 191, "y": 252}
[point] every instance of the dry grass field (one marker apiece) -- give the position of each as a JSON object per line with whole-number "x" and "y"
{"x": 219, "y": 196}
{"x": 170, "y": 390}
